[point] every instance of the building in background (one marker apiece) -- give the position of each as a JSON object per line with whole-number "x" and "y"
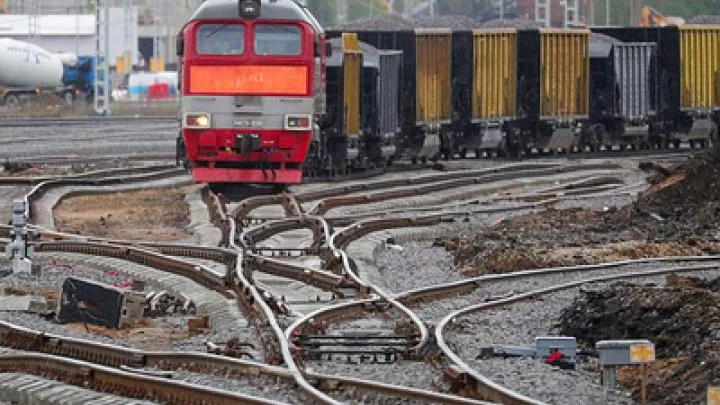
{"x": 68, "y": 25}
{"x": 70, "y": 32}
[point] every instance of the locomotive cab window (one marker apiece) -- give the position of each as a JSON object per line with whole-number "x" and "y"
{"x": 220, "y": 39}
{"x": 277, "y": 40}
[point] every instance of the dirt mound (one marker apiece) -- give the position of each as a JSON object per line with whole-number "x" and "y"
{"x": 682, "y": 319}
{"x": 678, "y": 215}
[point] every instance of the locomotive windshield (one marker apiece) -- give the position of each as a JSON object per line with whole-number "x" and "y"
{"x": 282, "y": 40}
{"x": 220, "y": 39}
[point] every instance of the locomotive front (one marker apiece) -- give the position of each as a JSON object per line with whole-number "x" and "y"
{"x": 251, "y": 84}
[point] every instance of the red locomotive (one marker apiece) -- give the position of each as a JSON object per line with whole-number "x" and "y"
{"x": 252, "y": 84}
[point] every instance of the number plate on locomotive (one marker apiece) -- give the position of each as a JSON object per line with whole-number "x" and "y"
{"x": 248, "y": 123}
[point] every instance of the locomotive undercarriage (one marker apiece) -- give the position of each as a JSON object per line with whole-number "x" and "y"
{"x": 333, "y": 154}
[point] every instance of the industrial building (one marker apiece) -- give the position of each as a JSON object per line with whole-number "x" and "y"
{"x": 69, "y": 25}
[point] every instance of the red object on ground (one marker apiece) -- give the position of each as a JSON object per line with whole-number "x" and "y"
{"x": 158, "y": 91}
{"x": 553, "y": 357}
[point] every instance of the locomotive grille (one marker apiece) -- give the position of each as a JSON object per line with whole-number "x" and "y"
{"x": 242, "y": 101}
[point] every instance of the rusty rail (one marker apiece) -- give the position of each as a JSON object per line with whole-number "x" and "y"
{"x": 252, "y": 203}
{"x": 111, "y": 380}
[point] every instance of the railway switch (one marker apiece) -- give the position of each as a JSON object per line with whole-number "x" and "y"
{"x": 18, "y": 250}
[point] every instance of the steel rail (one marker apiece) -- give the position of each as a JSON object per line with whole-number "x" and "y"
{"x": 490, "y": 390}
{"x": 38, "y": 190}
{"x": 461, "y": 179}
{"x": 252, "y": 299}
{"x": 22, "y": 180}
{"x": 330, "y": 381}
{"x": 47, "y": 122}
{"x": 114, "y": 381}
{"x": 252, "y": 203}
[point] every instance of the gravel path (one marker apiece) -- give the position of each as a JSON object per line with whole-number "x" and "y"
{"x": 519, "y": 324}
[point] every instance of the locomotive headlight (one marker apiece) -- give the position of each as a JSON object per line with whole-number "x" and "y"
{"x": 299, "y": 122}
{"x": 197, "y": 121}
{"x": 249, "y": 8}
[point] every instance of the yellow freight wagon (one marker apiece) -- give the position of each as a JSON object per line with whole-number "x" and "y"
{"x": 699, "y": 67}
{"x": 564, "y": 73}
{"x": 433, "y": 61}
{"x": 495, "y": 74}
{"x": 352, "y": 74}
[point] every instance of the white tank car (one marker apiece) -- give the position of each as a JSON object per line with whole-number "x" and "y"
{"x": 27, "y": 65}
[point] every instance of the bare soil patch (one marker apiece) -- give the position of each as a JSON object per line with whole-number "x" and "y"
{"x": 678, "y": 215}
{"x": 157, "y": 215}
{"x": 145, "y": 335}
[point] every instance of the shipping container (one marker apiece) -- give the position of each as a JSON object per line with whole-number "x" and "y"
{"x": 699, "y": 67}
{"x": 433, "y": 76}
{"x": 494, "y": 71}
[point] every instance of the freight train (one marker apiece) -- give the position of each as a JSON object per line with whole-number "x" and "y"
{"x": 266, "y": 97}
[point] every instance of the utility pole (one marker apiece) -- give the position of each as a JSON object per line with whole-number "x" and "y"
{"x": 341, "y": 6}
{"x": 635, "y": 12}
{"x": 502, "y": 9}
{"x": 130, "y": 23}
{"x": 156, "y": 40}
{"x": 607, "y": 13}
{"x": 101, "y": 87}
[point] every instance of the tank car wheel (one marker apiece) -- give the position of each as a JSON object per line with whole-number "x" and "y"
{"x": 423, "y": 160}
{"x": 692, "y": 144}
{"x": 414, "y": 160}
{"x": 676, "y": 144}
{"x": 479, "y": 153}
{"x": 463, "y": 153}
{"x": 701, "y": 144}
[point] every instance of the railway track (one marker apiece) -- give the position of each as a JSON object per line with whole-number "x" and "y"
{"x": 474, "y": 383}
{"x": 91, "y": 121}
{"x": 244, "y": 254}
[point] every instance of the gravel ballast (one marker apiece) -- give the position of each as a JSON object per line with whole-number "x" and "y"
{"x": 520, "y": 324}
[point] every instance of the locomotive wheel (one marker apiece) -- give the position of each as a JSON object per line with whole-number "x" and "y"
{"x": 414, "y": 160}
{"x": 676, "y": 144}
{"x": 463, "y": 153}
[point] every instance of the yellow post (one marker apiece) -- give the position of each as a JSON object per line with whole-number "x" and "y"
{"x": 157, "y": 65}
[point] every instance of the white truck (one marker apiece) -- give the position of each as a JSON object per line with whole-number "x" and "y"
{"x": 27, "y": 70}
